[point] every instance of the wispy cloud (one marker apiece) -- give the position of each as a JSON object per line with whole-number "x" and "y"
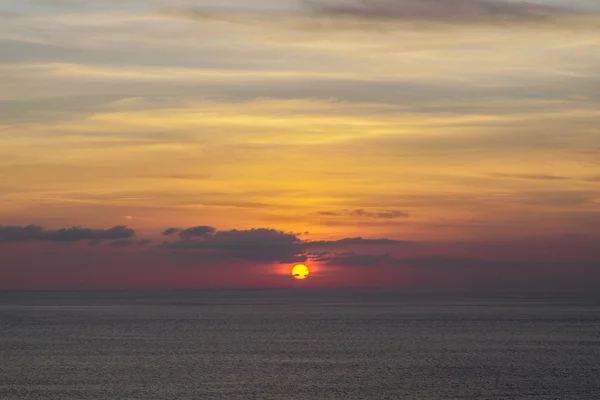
{"x": 196, "y": 231}
{"x": 536, "y": 177}
{"x": 324, "y": 16}
{"x": 356, "y": 241}
{"x": 33, "y": 233}
{"x": 449, "y": 11}
{"x": 360, "y": 213}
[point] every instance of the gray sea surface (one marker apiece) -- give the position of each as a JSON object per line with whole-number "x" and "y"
{"x": 297, "y": 344}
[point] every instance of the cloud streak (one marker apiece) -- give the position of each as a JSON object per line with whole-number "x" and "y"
{"x": 356, "y": 241}
{"x": 322, "y": 16}
{"x": 385, "y": 214}
{"x": 196, "y": 231}
{"x": 536, "y": 177}
{"x": 257, "y": 244}
{"x": 35, "y": 233}
{"x": 446, "y": 11}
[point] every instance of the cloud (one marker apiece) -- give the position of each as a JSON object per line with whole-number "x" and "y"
{"x": 385, "y": 214}
{"x": 170, "y": 231}
{"x": 196, "y": 231}
{"x": 356, "y": 241}
{"x": 445, "y": 11}
{"x": 33, "y": 233}
{"x": 568, "y": 262}
{"x": 330, "y": 213}
{"x": 557, "y": 198}
{"x": 258, "y": 245}
{"x": 322, "y": 16}
{"x": 540, "y": 177}
{"x": 202, "y": 242}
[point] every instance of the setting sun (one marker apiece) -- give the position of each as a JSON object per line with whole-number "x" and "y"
{"x": 300, "y": 271}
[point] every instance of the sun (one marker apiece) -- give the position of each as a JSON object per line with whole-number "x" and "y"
{"x": 300, "y": 271}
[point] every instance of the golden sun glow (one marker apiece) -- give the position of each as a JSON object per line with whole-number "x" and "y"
{"x": 300, "y": 271}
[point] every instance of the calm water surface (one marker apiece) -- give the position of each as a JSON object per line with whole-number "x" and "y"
{"x": 285, "y": 344}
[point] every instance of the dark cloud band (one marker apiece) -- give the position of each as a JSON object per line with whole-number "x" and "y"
{"x": 452, "y": 11}
{"x": 257, "y": 245}
{"x": 196, "y": 231}
{"x": 33, "y": 233}
{"x": 357, "y": 241}
{"x": 359, "y": 213}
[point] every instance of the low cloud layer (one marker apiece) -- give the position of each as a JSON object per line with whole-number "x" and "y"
{"x": 474, "y": 273}
{"x": 34, "y": 233}
{"x": 360, "y": 213}
{"x": 356, "y": 241}
{"x": 197, "y": 231}
{"x": 237, "y": 254}
{"x": 327, "y": 15}
{"x": 258, "y": 244}
{"x": 536, "y": 177}
{"x": 449, "y": 11}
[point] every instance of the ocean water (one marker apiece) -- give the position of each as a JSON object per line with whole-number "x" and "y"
{"x": 297, "y": 344}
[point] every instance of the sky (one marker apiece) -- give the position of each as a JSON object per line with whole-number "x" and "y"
{"x": 450, "y": 144}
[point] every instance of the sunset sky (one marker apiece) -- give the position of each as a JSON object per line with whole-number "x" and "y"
{"x": 196, "y": 143}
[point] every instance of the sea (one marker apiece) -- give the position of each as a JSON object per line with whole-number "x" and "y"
{"x": 298, "y": 344}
